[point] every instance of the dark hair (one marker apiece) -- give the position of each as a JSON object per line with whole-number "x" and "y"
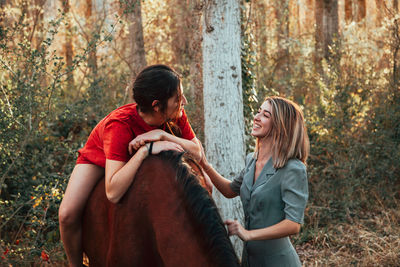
{"x": 155, "y": 82}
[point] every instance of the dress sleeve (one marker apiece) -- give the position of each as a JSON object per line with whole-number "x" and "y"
{"x": 294, "y": 190}
{"x": 184, "y": 125}
{"x": 238, "y": 180}
{"x": 116, "y": 138}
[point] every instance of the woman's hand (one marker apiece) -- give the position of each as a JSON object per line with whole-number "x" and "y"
{"x": 141, "y": 140}
{"x": 203, "y": 160}
{"x": 165, "y": 145}
{"x": 235, "y": 228}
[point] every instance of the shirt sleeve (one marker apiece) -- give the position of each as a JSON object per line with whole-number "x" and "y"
{"x": 294, "y": 190}
{"x": 238, "y": 180}
{"x": 184, "y": 125}
{"x": 116, "y": 138}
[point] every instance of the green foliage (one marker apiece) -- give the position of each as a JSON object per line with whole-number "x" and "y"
{"x": 250, "y": 101}
{"x": 44, "y": 120}
{"x": 351, "y": 106}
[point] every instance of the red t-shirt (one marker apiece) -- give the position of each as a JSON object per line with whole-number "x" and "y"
{"x": 111, "y": 136}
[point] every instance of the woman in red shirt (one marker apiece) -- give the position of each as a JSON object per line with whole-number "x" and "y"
{"x": 139, "y": 128}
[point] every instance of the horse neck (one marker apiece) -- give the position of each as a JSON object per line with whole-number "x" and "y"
{"x": 173, "y": 226}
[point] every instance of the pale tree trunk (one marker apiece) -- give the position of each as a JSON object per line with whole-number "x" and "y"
{"x": 223, "y": 102}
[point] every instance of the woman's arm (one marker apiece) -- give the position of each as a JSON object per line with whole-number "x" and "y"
{"x": 120, "y": 175}
{"x": 282, "y": 229}
{"x": 193, "y": 147}
{"x": 221, "y": 183}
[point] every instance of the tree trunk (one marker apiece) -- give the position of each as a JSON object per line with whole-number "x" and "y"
{"x": 68, "y": 48}
{"x": 223, "y": 101}
{"x": 379, "y": 11}
{"x": 327, "y": 27}
{"x": 282, "y": 31}
{"x": 90, "y": 22}
{"x": 261, "y": 36}
{"x": 348, "y": 10}
{"x": 319, "y": 32}
{"x": 361, "y": 10}
{"x": 136, "y": 51}
{"x": 195, "y": 57}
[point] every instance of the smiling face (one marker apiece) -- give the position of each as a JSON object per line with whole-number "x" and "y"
{"x": 175, "y": 105}
{"x": 262, "y": 123}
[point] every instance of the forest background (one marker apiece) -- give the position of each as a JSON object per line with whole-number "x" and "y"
{"x": 65, "y": 64}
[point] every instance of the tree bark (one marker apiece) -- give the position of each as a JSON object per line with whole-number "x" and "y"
{"x": 361, "y": 10}
{"x": 223, "y": 101}
{"x": 137, "y": 53}
{"x": 90, "y": 21}
{"x": 379, "y": 11}
{"x": 261, "y": 32}
{"x": 348, "y": 10}
{"x": 327, "y": 27}
{"x": 282, "y": 31}
{"x": 195, "y": 57}
{"x": 68, "y": 47}
{"x": 136, "y": 57}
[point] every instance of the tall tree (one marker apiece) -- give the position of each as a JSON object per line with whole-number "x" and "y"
{"x": 380, "y": 11}
{"x": 327, "y": 27}
{"x": 223, "y": 101}
{"x": 355, "y": 10}
{"x": 282, "y": 31}
{"x": 348, "y": 10}
{"x": 136, "y": 53}
{"x": 260, "y": 12}
{"x": 68, "y": 47}
{"x": 90, "y": 24}
{"x": 186, "y": 37}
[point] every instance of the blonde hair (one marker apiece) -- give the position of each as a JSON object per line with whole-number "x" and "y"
{"x": 289, "y": 134}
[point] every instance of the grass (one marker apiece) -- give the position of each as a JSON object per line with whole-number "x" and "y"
{"x": 373, "y": 240}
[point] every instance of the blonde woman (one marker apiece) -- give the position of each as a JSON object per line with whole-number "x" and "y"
{"x": 273, "y": 185}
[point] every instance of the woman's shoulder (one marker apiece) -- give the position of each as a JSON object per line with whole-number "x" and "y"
{"x": 295, "y": 165}
{"x": 123, "y": 113}
{"x": 249, "y": 157}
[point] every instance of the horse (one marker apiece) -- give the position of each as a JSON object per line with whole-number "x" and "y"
{"x": 166, "y": 218}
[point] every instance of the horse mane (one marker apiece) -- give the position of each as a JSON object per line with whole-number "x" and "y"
{"x": 204, "y": 210}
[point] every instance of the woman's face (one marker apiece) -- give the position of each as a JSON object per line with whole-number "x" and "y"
{"x": 262, "y": 123}
{"x": 175, "y": 105}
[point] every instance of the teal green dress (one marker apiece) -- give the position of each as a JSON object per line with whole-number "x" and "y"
{"x": 276, "y": 195}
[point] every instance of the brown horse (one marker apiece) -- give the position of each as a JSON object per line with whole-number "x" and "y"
{"x": 165, "y": 219}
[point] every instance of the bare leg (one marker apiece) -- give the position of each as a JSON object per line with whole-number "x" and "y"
{"x": 83, "y": 179}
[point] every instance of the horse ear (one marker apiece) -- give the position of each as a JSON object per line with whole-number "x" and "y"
{"x": 156, "y": 105}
